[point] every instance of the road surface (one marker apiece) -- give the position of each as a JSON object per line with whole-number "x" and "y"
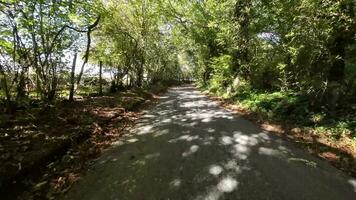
{"x": 188, "y": 147}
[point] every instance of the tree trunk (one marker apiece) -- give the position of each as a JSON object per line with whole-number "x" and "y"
{"x": 21, "y": 93}
{"x": 343, "y": 36}
{"x": 87, "y": 51}
{"x": 4, "y": 85}
{"x": 72, "y": 78}
{"x": 127, "y": 79}
{"x": 100, "y": 78}
{"x": 337, "y": 70}
{"x": 139, "y": 77}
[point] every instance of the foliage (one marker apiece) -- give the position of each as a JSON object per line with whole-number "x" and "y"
{"x": 304, "y": 46}
{"x": 132, "y": 40}
{"x": 36, "y": 38}
{"x": 134, "y": 43}
{"x": 288, "y": 60}
{"x": 270, "y": 52}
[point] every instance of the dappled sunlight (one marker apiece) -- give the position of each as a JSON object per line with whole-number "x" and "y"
{"x": 199, "y": 103}
{"x": 144, "y": 129}
{"x": 226, "y": 140}
{"x": 189, "y": 148}
{"x": 175, "y": 183}
{"x": 148, "y": 116}
{"x": 138, "y": 163}
{"x": 211, "y": 130}
{"x": 215, "y": 169}
{"x": 192, "y": 150}
{"x": 353, "y": 183}
{"x": 283, "y": 149}
{"x": 207, "y": 120}
{"x": 263, "y": 136}
{"x": 183, "y": 120}
{"x": 132, "y": 140}
{"x": 213, "y": 194}
{"x": 187, "y": 138}
{"x": 192, "y": 124}
{"x": 184, "y": 128}
{"x": 234, "y": 166}
{"x": 207, "y": 116}
{"x": 166, "y": 121}
{"x": 269, "y": 152}
{"x": 240, "y": 151}
{"x": 208, "y": 140}
{"x": 153, "y": 155}
{"x": 227, "y": 184}
{"x": 163, "y": 97}
{"x": 245, "y": 140}
{"x": 161, "y": 133}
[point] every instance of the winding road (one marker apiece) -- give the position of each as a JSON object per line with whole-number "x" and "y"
{"x": 188, "y": 147}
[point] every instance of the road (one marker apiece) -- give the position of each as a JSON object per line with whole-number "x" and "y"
{"x": 188, "y": 147}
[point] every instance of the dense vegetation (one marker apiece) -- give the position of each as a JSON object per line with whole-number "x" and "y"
{"x": 105, "y": 57}
{"x": 40, "y": 41}
{"x": 291, "y": 61}
{"x": 304, "y": 46}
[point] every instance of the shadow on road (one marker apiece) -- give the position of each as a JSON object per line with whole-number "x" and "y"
{"x": 188, "y": 147}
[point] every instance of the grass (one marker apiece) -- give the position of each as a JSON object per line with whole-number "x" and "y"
{"x": 290, "y": 107}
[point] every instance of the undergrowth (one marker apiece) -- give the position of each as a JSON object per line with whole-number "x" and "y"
{"x": 293, "y": 108}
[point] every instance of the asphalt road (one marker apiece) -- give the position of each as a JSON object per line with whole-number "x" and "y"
{"x": 188, "y": 147}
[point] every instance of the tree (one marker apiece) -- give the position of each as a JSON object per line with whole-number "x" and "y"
{"x": 42, "y": 32}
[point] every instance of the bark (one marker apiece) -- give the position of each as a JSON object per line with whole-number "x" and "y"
{"x": 100, "y": 78}
{"x": 139, "y": 74}
{"x": 337, "y": 70}
{"x": 343, "y": 37}
{"x": 5, "y": 87}
{"x": 87, "y": 51}
{"x": 21, "y": 93}
{"x": 72, "y": 79}
{"x": 54, "y": 82}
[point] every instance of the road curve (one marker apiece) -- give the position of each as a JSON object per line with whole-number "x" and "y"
{"x": 188, "y": 147}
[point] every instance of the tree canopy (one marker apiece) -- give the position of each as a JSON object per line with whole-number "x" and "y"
{"x": 76, "y": 74}
{"x": 305, "y": 46}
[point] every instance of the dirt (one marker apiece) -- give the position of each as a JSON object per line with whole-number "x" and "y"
{"x": 45, "y": 148}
